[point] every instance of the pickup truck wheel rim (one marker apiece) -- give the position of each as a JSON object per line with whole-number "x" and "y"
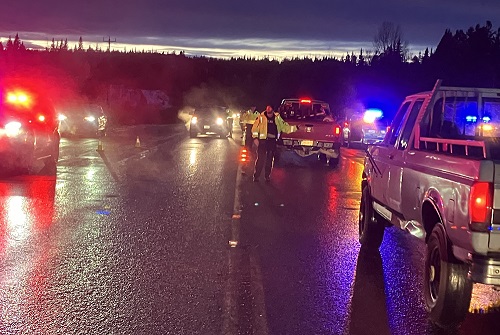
{"x": 434, "y": 273}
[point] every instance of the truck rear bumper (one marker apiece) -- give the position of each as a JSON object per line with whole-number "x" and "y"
{"x": 485, "y": 270}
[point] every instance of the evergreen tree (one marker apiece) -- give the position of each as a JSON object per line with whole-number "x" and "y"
{"x": 53, "y": 45}
{"x": 1, "y": 46}
{"x": 10, "y": 44}
{"x": 361, "y": 58}
{"x": 17, "y": 42}
{"x": 80, "y": 44}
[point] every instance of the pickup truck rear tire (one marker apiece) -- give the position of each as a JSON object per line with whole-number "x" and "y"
{"x": 447, "y": 288}
{"x": 371, "y": 230}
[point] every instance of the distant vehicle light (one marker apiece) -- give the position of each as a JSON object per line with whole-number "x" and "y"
{"x": 194, "y": 119}
{"x": 61, "y": 117}
{"x": 234, "y": 116}
{"x": 470, "y": 118}
{"x": 371, "y": 115}
{"x": 41, "y": 118}
{"x": 486, "y": 119}
{"x": 219, "y": 121}
{"x": 305, "y": 101}
{"x": 12, "y": 129}
{"x": 487, "y": 127}
{"x": 90, "y": 118}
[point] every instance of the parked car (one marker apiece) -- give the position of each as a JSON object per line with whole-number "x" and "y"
{"x": 29, "y": 131}
{"x": 86, "y": 120}
{"x": 211, "y": 120}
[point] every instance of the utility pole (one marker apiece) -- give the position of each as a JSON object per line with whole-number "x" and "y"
{"x": 109, "y": 42}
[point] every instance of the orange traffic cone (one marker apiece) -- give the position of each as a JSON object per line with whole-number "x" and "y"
{"x": 137, "y": 142}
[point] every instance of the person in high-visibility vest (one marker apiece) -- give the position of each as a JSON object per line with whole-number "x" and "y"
{"x": 266, "y": 131}
{"x": 248, "y": 119}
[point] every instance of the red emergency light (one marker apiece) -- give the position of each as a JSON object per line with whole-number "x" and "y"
{"x": 305, "y": 101}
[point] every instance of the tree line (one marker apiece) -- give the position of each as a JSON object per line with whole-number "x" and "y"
{"x": 378, "y": 78}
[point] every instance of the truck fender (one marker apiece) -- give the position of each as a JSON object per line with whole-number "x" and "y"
{"x": 432, "y": 209}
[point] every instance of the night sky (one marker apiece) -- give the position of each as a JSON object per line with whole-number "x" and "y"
{"x": 229, "y": 27}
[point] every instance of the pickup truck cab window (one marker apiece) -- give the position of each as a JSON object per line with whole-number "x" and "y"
{"x": 410, "y": 122}
{"x": 397, "y": 124}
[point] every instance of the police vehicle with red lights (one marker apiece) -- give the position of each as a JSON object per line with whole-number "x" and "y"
{"x": 28, "y": 131}
{"x": 318, "y": 133}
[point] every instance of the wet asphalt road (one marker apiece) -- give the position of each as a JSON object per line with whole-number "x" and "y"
{"x": 136, "y": 240}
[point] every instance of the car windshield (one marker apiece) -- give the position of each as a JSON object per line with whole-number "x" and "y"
{"x": 208, "y": 111}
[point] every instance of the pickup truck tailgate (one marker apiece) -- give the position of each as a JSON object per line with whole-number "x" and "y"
{"x": 314, "y": 131}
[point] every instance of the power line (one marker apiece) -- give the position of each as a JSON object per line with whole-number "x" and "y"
{"x": 109, "y": 42}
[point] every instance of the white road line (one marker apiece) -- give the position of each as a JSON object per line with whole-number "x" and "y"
{"x": 230, "y": 310}
{"x": 230, "y": 321}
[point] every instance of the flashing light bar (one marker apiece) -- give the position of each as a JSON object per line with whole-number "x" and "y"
{"x": 371, "y": 115}
{"x": 17, "y": 98}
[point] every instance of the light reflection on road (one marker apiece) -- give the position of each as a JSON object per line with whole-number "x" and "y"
{"x": 26, "y": 210}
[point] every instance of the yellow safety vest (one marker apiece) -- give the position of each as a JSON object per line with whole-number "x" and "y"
{"x": 249, "y": 117}
{"x": 259, "y": 128}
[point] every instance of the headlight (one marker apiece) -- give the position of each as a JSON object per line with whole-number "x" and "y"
{"x": 12, "y": 129}
{"x": 219, "y": 121}
{"x": 61, "y": 117}
{"x": 90, "y": 118}
{"x": 194, "y": 119}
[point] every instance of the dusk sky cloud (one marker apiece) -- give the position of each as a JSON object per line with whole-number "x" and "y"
{"x": 253, "y": 27}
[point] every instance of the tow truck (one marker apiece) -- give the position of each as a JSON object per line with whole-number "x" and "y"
{"x": 318, "y": 133}
{"x": 28, "y": 131}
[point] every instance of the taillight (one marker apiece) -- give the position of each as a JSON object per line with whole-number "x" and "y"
{"x": 337, "y": 130}
{"x": 480, "y": 202}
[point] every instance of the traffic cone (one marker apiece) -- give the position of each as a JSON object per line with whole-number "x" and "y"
{"x": 99, "y": 146}
{"x": 137, "y": 142}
